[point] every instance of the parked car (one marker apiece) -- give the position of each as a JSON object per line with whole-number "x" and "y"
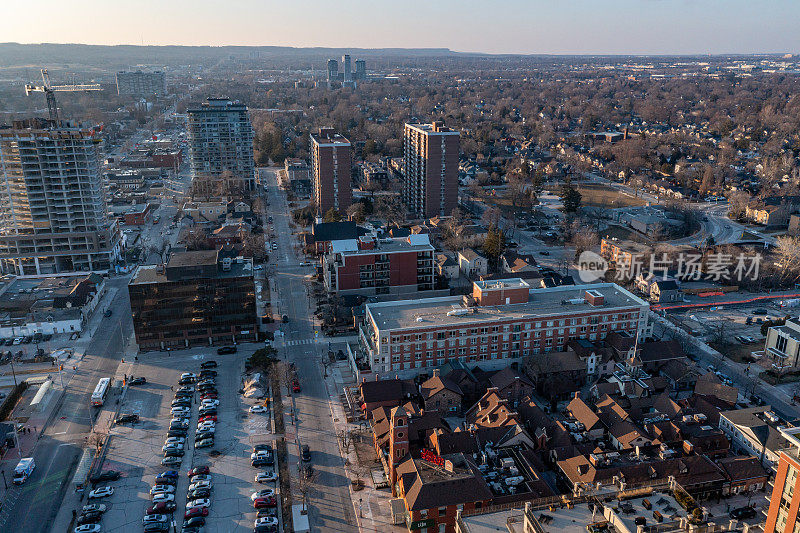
{"x": 225, "y": 350}
{"x": 263, "y": 493}
{"x": 127, "y": 419}
{"x": 204, "y": 443}
{"x": 137, "y": 381}
{"x": 101, "y": 492}
{"x": 743, "y": 513}
{"x": 196, "y": 494}
{"x": 107, "y": 475}
{"x": 266, "y": 476}
{"x": 171, "y": 461}
{"x": 262, "y": 461}
{"x": 208, "y": 364}
{"x": 261, "y": 503}
{"x": 159, "y": 489}
{"x": 161, "y": 508}
{"x": 163, "y": 497}
{"x": 156, "y": 527}
{"x": 196, "y": 521}
{"x": 152, "y": 518}
{"x": 169, "y": 473}
{"x": 88, "y": 528}
{"x": 257, "y": 409}
{"x": 89, "y": 517}
{"x": 199, "y": 471}
{"x": 99, "y": 507}
{"x": 201, "y": 502}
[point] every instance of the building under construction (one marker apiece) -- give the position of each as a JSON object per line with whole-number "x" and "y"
{"x": 53, "y": 211}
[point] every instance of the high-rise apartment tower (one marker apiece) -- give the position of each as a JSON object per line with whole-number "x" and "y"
{"x": 430, "y": 169}
{"x": 331, "y": 167}
{"x": 220, "y": 140}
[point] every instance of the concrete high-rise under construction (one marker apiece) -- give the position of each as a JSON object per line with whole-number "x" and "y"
{"x": 220, "y": 140}
{"x": 53, "y": 209}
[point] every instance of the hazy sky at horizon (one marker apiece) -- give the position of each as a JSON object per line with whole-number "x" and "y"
{"x": 505, "y": 26}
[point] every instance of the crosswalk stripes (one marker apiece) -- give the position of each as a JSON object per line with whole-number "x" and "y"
{"x": 298, "y": 342}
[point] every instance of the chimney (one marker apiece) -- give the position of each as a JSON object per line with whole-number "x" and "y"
{"x": 576, "y": 395}
{"x": 435, "y": 372}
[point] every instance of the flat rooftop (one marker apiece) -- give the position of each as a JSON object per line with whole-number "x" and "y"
{"x": 150, "y": 273}
{"x": 494, "y": 522}
{"x": 428, "y": 312}
{"x": 384, "y": 246}
{"x": 567, "y": 520}
{"x": 328, "y": 136}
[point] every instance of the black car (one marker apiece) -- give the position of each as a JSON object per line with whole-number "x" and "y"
{"x": 184, "y": 395}
{"x": 285, "y": 319}
{"x": 205, "y": 374}
{"x": 182, "y": 402}
{"x": 177, "y": 432}
{"x": 89, "y": 517}
{"x": 262, "y": 461}
{"x": 305, "y": 453}
{"x": 203, "y": 435}
{"x": 265, "y": 528}
{"x": 195, "y": 521}
{"x": 108, "y": 475}
{"x": 743, "y": 513}
{"x": 262, "y": 448}
{"x": 208, "y": 412}
{"x": 127, "y": 419}
{"x": 163, "y": 480}
{"x": 154, "y": 527}
{"x": 198, "y": 493}
{"x": 185, "y": 381}
{"x": 174, "y": 453}
{"x": 208, "y": 364}
{"x": 137, "y": 381}
{"x": 225, "y": 350}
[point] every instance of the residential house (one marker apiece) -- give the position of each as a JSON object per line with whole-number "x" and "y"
{"x": 472, "y": 264}
{"x": 441, "y": 393}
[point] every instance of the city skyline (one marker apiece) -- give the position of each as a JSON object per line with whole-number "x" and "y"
{"x": 647, "y": 27}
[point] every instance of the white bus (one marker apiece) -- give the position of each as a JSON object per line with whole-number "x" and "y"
{"x": 100, "y": 392}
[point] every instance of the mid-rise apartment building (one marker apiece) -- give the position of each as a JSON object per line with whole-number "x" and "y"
{"x": 370, "y": 266}
{"x": 53, "y": 207}
{"x": 430, "y": 169}
{"x": 501, "y": 322}
{"x": 783, "y": 515}
{"x": 140, "y": 83}
{"x": 330, "y": 170}
{"x": 197, "y": 298}
{"x": 782, "y": 345}
{"x": 221, "y": 140}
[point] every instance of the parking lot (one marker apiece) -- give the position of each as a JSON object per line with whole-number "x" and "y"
{"x": 136, "y": 450}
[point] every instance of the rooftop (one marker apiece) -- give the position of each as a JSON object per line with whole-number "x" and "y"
{"x": 428, "y": 312}
{"x": 328, "y": 136}
{"x": 382, "y": 246}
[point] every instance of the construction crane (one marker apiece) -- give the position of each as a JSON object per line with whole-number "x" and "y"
{"x": 49, "y": 91}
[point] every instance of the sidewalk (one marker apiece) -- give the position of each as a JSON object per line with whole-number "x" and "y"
{"x": 372, "y": 507}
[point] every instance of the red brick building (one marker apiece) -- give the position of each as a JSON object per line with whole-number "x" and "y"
{"x": 503, "y": 321}
{"x": 784, "y": 507}
{"x": 370, "y": 266}
{"x": 430, "y": 169}
{"x": 331, "y": 168}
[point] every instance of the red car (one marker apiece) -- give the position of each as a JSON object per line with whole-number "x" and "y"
{"x": 195, "y": 511}
{"x": 161, "y": 508}
{"x": 212, "y": 418}
{"x": 208, "y": 396}
{"x": 295, "y": 386}
{"x": 196, "y": 471}
{"x": 261, "y": 503}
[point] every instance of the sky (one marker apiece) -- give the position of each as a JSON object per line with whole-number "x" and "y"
{"x": 488, "y": 26}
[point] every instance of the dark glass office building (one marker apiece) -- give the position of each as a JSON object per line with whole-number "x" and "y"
{"x": 197, "y": 298}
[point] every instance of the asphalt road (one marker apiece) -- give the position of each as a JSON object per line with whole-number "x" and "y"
{"x": 59, "y": 448}
{"x": 330, "y": 507}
